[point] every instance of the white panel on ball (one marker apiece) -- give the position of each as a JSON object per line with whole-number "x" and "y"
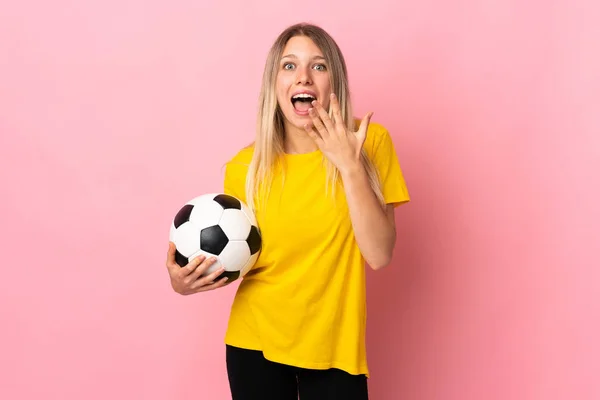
{"x": 172, "y": 231}
{"x": 206, "y": 212}
{"x": 235, "y": 255}
{"x": 187, "y": 239}
{"x": 249, "y": 264}
{"x": 235, "y": 224}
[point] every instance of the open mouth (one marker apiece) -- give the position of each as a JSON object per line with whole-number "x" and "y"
{"x": 302, "y": 102}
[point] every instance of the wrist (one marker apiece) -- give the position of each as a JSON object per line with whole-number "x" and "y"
{"x": 352, "y": 170}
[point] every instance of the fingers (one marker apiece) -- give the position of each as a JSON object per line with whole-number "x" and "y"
{"x": 189, "y": 279}
{"x": 171, "y": 264}
{"x": 321, "y": 118}
{"x": 318, "y": 123}
{"x": 364, "y": 126}
{"x": 191, "y": 266}
{"x": 314, "y": 135}
{"x": 210, "y": 280}
{"x": 220, "y": 283}
{"x": 337, "y": 113}
{"x": 173, "y": 267}
{"x": 205, "y": 264}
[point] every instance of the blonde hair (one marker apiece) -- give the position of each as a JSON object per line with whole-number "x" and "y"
{"x": 270, "y": 131}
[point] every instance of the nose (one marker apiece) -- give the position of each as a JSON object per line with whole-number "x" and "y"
{"x": 303, "y": 76}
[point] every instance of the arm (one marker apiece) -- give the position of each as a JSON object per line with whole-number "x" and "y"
{"x": 374, "y": 227}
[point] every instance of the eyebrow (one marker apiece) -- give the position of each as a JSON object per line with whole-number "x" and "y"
{"x": 294, "y": 56}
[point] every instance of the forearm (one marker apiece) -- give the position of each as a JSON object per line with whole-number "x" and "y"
{"x": 375, "y": 233}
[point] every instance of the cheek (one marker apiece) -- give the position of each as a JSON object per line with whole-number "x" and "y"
{"x": 281, "y": 89}
{"x": 326, "y": 91}
{"x": 325, "y": 88}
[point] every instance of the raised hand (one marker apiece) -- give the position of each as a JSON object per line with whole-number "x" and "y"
{"x": 341, "y": 146}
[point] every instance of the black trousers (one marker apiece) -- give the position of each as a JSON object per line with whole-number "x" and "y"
{"x": 253, "y": 377}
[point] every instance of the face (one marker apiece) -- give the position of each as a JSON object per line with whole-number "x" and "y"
{"x": 303, "y": 76}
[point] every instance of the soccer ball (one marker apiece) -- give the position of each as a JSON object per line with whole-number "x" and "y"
{"x": 220, "y": 225}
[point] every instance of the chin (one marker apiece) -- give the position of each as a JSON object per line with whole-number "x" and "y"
{"x": 295, "y": 119}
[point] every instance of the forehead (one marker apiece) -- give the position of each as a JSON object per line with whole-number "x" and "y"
{"x": 301, "y": 47}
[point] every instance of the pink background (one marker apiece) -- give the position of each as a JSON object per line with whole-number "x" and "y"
{"x": 108, "y": 111}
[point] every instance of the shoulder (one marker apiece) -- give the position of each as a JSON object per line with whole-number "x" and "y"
{"x": 238, "y": 164}
{"x": 243, "y": 156}
{"x": 236, "y": 169}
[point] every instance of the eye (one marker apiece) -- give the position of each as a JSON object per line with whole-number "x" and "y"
{"x": 288, "y": 65}
{"x": 320, "y": 67}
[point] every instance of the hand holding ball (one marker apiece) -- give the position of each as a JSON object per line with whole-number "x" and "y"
{"x": 220, "y": 226}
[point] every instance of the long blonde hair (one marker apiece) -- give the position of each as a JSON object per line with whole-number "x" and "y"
{"x": 270, "y": 131}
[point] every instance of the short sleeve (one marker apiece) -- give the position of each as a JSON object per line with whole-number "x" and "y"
{"x": 234, "y": 181}
{"x": 386, "y": 162}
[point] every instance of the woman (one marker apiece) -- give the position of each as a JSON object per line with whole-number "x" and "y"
{"x": 323, "y": 186}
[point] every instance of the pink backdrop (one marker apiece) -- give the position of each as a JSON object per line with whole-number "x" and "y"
{"x": 107, "y": 115}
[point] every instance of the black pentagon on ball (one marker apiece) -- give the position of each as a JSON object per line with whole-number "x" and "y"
{"x": 183, "y": 215}
{"x": 254, "y": 240}
{"x": 213, "y": 239}
{"x": 180, "y": 259}
{"x": 226, "y": 201}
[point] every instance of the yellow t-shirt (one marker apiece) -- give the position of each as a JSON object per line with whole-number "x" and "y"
{"x": 304, "y": 302}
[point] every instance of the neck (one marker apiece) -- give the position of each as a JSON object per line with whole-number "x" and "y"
{"x": 297, "y": 141}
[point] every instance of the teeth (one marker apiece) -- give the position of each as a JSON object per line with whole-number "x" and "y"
{"x": 303, "y": 96}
